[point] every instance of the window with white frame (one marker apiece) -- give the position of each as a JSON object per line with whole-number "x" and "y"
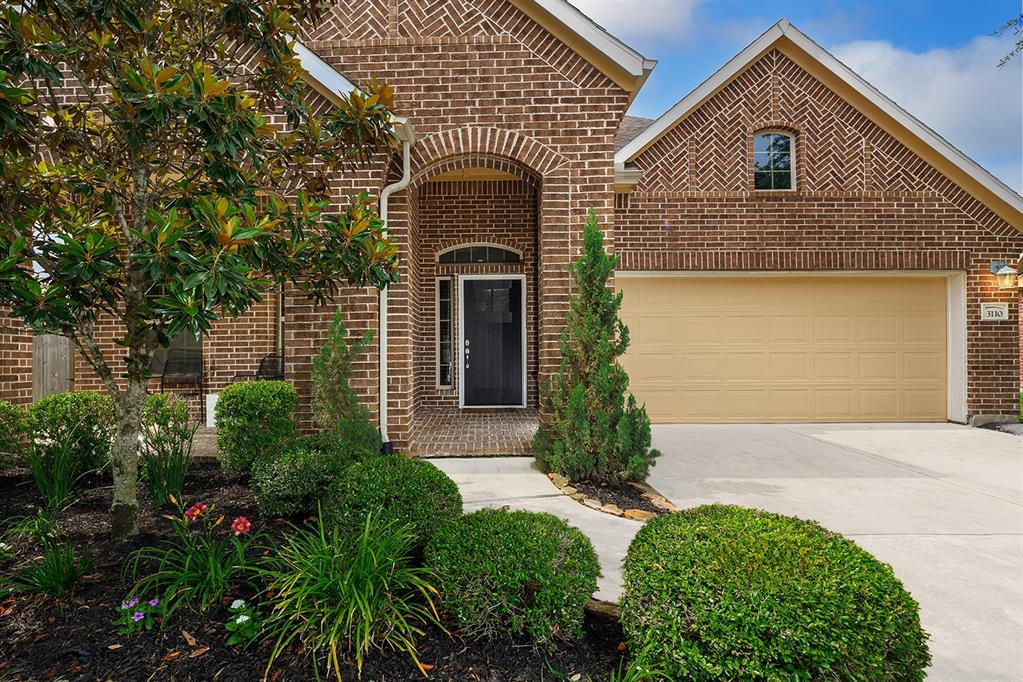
{"x": 774, "y": 164}
{"x": 445, "y": 305}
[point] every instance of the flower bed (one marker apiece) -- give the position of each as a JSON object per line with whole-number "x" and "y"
{"x": 88, "y": 635}
{"x": 635, "y": 501}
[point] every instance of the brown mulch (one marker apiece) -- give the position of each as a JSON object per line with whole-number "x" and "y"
{"x": 623, "y": 495}
{"x": 74, "y": 638}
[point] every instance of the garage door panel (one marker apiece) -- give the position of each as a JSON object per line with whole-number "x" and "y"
{"x": 711, "y": 349}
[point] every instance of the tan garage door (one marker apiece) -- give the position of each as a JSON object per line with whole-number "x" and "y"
{"x": 773, "y": 349}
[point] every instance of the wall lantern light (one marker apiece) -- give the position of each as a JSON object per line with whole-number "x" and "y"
{"x": 1006, "y": 276}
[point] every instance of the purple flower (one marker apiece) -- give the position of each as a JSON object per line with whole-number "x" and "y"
{"x": 137, "y": 616}
{"x": 133, "y": 601}
{"x": 154, "y": 602}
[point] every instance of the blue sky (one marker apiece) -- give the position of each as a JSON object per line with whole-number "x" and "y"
{"x": 936, "y": 58}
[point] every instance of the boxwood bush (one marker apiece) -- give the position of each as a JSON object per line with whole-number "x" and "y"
{"x": 83, "y": 419}
{"x": 12, "y": 432}
{"x": 522, "y": 572}
{"x": 253, "y": 418}
{"x": 723, "y": 592}
{"x": 395, "y": 490}
{"x": 292, "y": 481}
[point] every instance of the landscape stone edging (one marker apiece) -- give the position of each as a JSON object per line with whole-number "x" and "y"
{"x": 648, "y": 493}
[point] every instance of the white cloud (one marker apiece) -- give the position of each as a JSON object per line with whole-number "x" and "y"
{"x": 959, "y": 92}
{"x": 643, "y": 19}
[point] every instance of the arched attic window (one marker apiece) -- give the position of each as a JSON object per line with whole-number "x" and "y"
{"x": 774, "y": 160}
{"x": 479, "y": 253}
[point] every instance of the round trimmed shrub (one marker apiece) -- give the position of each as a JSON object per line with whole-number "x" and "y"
{"x": 12, "y": 432}
{"x": 522, "y": 572}
{"x": 724, "y": 592}
{"x": 253, "y": 418}
{"x": 292, "y": 481}
{"x": 84, "y": 419}
{"x": 397, "y": 490}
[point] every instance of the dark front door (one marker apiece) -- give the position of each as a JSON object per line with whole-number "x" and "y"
{"x": 492, "y": 343}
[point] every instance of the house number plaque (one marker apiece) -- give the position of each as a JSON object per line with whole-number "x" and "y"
{"x": 994, "y": 312}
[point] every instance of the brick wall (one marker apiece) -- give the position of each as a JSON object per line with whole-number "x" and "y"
{"x": 15, "y": 361}
{"x": 863, "y": 202}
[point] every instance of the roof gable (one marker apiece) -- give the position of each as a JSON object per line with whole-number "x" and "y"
{"x": 920, "y": 139}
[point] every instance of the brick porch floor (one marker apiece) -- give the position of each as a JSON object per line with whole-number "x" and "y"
{"x": 450, "y": 432}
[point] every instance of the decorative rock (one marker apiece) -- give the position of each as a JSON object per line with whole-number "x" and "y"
{"x": 612, "y": 509}
{"x": 559, "y": 480}
{"x": 569, "y": 490}
{"x": 639, "y": 514}
{"x": 577, "y": 496}
{"x": 591, "y": 503}
{"x": 662, "y": 503}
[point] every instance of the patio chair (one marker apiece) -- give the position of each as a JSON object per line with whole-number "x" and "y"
{"x": 271, "y": 367}
{"x": 184, "y": 367}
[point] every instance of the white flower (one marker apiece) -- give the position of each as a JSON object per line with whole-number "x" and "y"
{"x": 4, "y": 546}
{"x": 237, "y": 603}
{"x": 241, "y": 619}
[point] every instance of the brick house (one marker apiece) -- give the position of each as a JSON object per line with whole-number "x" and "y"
{"x": 793, "y": 246}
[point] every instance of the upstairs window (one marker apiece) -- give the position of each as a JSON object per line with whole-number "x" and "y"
{"x": 773, "y": 165}
{"x": 479, "y": 253}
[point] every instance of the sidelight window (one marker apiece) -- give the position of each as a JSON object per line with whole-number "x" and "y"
{"x": 444, "y": 326}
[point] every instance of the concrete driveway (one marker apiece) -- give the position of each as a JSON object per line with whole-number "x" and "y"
{"x": 943, "y": 504}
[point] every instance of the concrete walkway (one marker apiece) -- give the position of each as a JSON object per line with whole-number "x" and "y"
{"x": 515, "y": 483}
{"x": 943, "y": 504}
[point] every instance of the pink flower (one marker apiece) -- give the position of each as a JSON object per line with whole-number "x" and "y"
{"x": 196, "y": 510}
{"x": 240, "y": 525}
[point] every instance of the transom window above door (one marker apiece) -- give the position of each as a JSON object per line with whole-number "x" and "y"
{"x": 773, "y": 164}
{"x": 479, "y": 253}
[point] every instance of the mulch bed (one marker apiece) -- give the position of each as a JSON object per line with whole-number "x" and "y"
{"x": 74, "y": 638}
{"x": 624, "y": 496}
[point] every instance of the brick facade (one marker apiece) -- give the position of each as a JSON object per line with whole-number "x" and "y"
{"x": 487, "y": 87}
{"x": 863, "y": 201}
{"x": 15, "y": 361}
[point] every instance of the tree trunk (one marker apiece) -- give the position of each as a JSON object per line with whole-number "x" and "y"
{"x": 124, "y": 458}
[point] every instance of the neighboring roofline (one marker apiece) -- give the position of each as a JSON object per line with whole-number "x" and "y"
{"x": 619, "y": 62}
{"x": 972, "y": 176}
{"x": 330, "y": 83}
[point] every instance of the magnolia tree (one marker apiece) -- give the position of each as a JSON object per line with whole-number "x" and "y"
{"x": 143, "y": 186}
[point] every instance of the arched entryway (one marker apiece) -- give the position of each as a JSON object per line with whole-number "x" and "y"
{"x": 476, "y": 219}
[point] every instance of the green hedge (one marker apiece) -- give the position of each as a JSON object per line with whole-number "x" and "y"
{"x": 522, "y": 572}
{"x": 394, "y": 489}
{"x": 85, "y": 419}
{"x": 723, "y": 592}
{"x": 292, "y": 481}
{"x": 12, "y": 432}
{"x": 253, "y": 418}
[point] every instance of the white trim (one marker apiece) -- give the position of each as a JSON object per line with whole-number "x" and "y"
{"x": 792, "y": 157}
{"x": 456, "y": 247}
{"x": 462, "y": 279}
{"x": 955, "y": 315}
{"x": 755, "y": 49}
{"x": 614, "y": 49}
{"x": 436, "y": 328}
{"x": 956, "y": 351}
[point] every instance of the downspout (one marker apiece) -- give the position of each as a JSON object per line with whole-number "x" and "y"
{"x": 407, "y": 137}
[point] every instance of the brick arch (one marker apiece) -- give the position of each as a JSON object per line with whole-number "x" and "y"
{"x": 535, "y": 156}
{"x": 474, "y": 160}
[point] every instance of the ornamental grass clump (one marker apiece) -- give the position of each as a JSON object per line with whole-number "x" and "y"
{"x": 202, "y": 563}
{"x": 166, "y": 447}
{"x": 522, "y": 572}
{"x": 56, "y": 574}
{"x": 723, "y": 592}
{"x": 592, "y": 429}
{"x": 341, "y": 595}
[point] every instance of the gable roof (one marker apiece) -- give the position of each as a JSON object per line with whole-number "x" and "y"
{"x": 619, "y": 62}
{"x": 923, "y": 141}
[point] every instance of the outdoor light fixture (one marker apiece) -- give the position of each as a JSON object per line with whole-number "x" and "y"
{"x": 1006, "y": 276}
